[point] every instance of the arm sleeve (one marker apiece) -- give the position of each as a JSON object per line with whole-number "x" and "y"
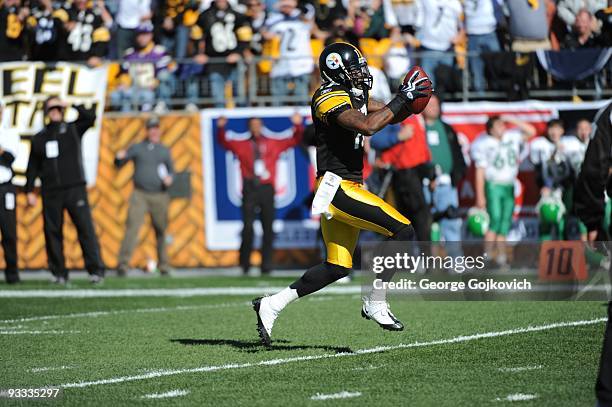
{"x": 296, "y": 139}
{"x": 128, "y": 156}
{"x": 459, "y": 165}
{"x": 385, "y": 138}
{"x": 328, "y": 106}
{"x": 224, "y": 142}
{"x": 169, "y": 163}
{"x": 86, "y": 119}
{"x": 589, "y": 199}
{"x": 33, "y": 169}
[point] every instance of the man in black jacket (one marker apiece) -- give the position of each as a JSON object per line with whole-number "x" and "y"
{"x": 55, "y": 157}
{"x": 8, "y": 218}
{"x": 589, "y": 201}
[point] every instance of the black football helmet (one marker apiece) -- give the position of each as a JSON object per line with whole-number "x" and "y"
{"x": 342, "y": 63}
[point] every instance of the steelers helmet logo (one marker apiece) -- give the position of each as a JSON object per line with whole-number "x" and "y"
{"x": 333, "y": 60}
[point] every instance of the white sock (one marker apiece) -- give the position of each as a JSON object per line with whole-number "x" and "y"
{"x": 282, "y": 298}
{"x": 378, "y": 294}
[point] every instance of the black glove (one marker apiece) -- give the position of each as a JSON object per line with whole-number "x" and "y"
{"x": 414, "y": 88}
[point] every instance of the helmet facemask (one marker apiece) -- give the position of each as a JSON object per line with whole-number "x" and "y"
{"x": 360, "y": 75}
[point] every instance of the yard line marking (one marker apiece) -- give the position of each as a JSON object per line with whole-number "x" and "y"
{"x": 168, "y": 394}
{"x": 519, "y": 369}
{"x": 518, "y": 397}
{"x": 379, "y": 349}
{"x": 162, "y": 292}
{"x": 370, "y": 367}
{"x": 51, "y": 332}
{"x": 341, "y": 395}
{"x": 47, "y": 369}
{"x": 241, "y": 291}
{"x": 95, "y": 314}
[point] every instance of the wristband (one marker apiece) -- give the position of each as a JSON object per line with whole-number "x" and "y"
{"x": 397, "y": 104}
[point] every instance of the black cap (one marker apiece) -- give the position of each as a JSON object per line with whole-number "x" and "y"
{"x": 152, "y": 121}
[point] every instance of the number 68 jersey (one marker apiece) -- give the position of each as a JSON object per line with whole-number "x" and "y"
{"x": 339, "y": 150}
{"x": 499, "y": 158}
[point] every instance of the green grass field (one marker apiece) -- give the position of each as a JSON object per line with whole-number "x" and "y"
{"x": 203, "y": 350}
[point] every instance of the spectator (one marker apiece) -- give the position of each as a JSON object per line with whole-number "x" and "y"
{"x": 568, "y": 10}
{"x": 582, "y": 35}
{"x": 450, "y": 168}
{"x": 145, "y": 74}
{"x": 409, "y": 15}
{"x": 130, "y": 15}
{"x": 87, "y": 34}
{"x": 439, "y": 33}
{"x": 372, "y": 18}
{"x": 8, "y": 202}
{"x": 292, "y": 71}
{"x": 45, "y": 30}
{"x": 481, "y": 26}
{"x": 256, "y": 14}
{"x": 528, "y": 25}
{"x": 179, "y": 16}
{"x": 12, "y": 37}
{"x": 153, "y": 174}
{"x": 408, "y": 155}
{"x": 496, "y": 155}
{"x": 327, "y": 13}
{"x": 55, "y": 156}
{"x": 604, "y": 16}
{"x": 554, "y": 174}
{"x": 224, "y": 35}
{"x": 340, "y": 32}
{"x": 258, "y": 156}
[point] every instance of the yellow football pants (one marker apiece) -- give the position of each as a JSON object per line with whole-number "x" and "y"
{"x": 353, "y": 208}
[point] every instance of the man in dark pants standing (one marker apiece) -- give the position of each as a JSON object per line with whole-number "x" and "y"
{"x": 8, "y": 203}
{"x": 55, "y": 157}
{"x": 258, "y": 156}
{"x": 589, "y": 200}
{"x": 153, "y": 174}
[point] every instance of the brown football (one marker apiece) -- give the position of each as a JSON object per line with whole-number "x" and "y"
{"x": 419, "y": 104}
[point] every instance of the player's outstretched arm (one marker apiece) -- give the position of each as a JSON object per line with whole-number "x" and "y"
{"x": 367, "y": 125}
{"x": 355, "y": 120}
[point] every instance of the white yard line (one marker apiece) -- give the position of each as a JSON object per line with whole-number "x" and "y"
{"x": 379, "y": 349}
{"x": 162, "y": 292}
{"x": 518, "y": 397}
{"x": 48, "y": 369}
{"x": 241, "y": 291}
{"x": 168, "y": 394}
{"x": 94, "y": 314}
{"x": 51, "y": 332}
{"x": 370, "y": 367}
{"x": 334, "y": 396}
{"x": 519, "y": 369}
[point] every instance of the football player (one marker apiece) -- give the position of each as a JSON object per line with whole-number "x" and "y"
{"x": 497, "y": 158}
{"x": 343, "y": 116}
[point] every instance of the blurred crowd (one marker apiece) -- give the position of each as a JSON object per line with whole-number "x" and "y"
{"x": 163, "y": 45}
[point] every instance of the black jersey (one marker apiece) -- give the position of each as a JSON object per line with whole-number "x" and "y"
{"x": 224, "y": 32}
{"x": 46, "y": 33}
{"x": 11, "y": 34}
{"x": 88, "y": 36}
{"x": 338, "y": 150}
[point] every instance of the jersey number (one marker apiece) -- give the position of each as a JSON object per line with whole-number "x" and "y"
{"x": 223, "y": 37}
{"x": 80, "y": 37}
